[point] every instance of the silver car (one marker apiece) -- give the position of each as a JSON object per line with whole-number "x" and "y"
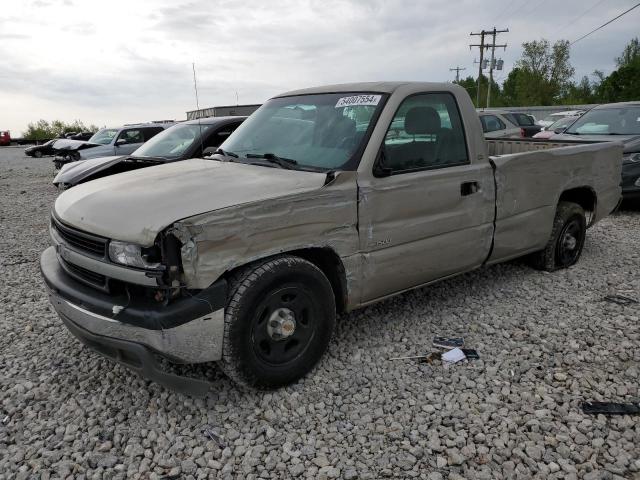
{"x": 496, "y": 125}
{"x": 107, "y": 142}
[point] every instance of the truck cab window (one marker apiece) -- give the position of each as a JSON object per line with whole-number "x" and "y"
{"x": 426, "y": 132}
{"x": 491, "y": 123}
{"x": 131, "y": 136}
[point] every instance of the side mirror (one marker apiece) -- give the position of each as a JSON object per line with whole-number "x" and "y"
{"x": 120, "y": 141}
{"x": 380, "y": 169}
{"x": 209, "y": 151}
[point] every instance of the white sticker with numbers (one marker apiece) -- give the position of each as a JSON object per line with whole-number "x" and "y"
{"x": 358, "y": 100}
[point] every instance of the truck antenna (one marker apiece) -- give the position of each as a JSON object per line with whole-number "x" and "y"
{"x": 198, "y": 112}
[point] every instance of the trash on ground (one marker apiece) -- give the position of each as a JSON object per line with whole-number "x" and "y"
{"x": 444, "y": 342}
{"x": 214, "y": 436}
{"x": 453, "y": 356}
{"x": 5, "y": 419}
{"x": 620, "y": 299}
{"x": 470, "y": 353}
{"x": 611, "y": 408}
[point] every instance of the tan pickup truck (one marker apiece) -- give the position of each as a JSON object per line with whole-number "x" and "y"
{"x": 324, "y": 200}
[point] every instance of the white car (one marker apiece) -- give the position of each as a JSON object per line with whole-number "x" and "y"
{"x": 554, "y": 117}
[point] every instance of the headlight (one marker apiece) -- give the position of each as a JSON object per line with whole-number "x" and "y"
{"x": 131, "y": 255}
{"x": 633, "y": 157}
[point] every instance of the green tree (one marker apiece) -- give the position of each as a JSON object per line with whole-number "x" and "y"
{"x": 623, "y": 84}
{"x": 630, "y": 54}
{"x": 543, "y": 75}
{"x": 42, "y": 129}
{"x": 470, "y": 84}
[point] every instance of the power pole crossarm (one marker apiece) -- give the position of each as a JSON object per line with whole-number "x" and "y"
{"x": 457, "y": 70}
{"x": 482, "y": 47}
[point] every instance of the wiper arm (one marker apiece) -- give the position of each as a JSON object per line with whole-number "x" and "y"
{"x": 225, "y": 153}
{"x": 273, "y": 158}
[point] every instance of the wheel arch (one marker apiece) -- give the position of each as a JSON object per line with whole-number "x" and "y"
{"x": 326, "y": 259}
{"x": 584, "y": 196}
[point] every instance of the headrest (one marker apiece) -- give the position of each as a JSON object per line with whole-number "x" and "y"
{"x": 422, "y": 120}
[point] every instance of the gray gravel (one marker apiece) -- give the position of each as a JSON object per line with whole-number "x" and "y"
{"x": 546, "y": 342}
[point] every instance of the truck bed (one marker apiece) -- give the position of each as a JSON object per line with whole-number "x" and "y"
{"x": 507, "y": 146}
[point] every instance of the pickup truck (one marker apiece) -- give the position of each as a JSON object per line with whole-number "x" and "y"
{"x": 314, "y": 206}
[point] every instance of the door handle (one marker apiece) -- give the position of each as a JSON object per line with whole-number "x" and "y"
{"x": 468, "y": 188}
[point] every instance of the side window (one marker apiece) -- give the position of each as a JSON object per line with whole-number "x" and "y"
{"x": 131, "y": 136}
{"x": 216, "y": 138}
{"x": 426, "y": 132}
{"x": 149, "y": 133}
{"x": 491, "y": 123}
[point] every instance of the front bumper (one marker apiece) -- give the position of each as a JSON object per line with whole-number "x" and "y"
{"x": 630, "y": 176}
{"x": 189, "y": 330}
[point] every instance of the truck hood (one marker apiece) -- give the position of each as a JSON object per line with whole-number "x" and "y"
{"x": 74, "y": 172}
{"x": 135, "y": 206}
{"x": 631, "y": 143}
{"x": 66, "y": 144}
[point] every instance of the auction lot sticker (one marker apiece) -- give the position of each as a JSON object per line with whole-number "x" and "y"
{"x": 358, "y": 100}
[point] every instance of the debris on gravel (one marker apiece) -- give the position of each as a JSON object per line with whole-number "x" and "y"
{"x": 548, "y": 342}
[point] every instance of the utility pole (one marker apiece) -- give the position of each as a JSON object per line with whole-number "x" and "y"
{"x": 457, "y": 70}
{"x": 482, "y": 47}
{"x": 482, "y": 33}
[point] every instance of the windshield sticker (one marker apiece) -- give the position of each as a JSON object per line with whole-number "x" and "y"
{"x": 358, "y": 100}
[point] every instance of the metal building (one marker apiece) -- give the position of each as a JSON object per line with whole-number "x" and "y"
{"x": 223, "y": 111}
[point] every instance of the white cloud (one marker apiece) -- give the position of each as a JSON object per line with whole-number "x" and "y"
{"x": 123, "y": 61}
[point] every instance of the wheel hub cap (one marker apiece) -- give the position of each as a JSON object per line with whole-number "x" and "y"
{"x": 569, "y": 241}
{"x": 281, "y": 324}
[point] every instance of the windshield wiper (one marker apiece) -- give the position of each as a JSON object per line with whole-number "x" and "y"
{"x": 273, "y": 158}
{"x": 225, "y": 153}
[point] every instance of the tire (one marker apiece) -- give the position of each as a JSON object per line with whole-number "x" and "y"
{"x": 567, "y": 239}
{"x": 37, "y": 154}
{"x": 279, "y": 319}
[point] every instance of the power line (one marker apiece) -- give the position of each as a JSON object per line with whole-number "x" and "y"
{"x": 594, "y": 6}
{"x": 605, "y": 24}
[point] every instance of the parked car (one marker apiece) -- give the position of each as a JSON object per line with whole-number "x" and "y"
{"x": 108, "y": 141}
{"x": 312, "y": 207}
{"x": 40, "y": 150}
{"x": 80, "y": 135}
{"x": 5, "y": 137}
{"x": 558, "y": 126}
{"x": 525, "y": 122}
{"x": 613, "y": 122}
{"x": 496, "y": 125}
{"x": 190, "y": 139}
{"x": 549, "y": 119}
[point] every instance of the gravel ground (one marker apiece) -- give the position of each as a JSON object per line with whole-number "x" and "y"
{"x": 546, "y": 341}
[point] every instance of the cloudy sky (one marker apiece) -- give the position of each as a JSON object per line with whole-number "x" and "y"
{"x": 121, "y": 61}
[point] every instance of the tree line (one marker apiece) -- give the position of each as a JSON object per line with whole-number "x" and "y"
{"x": 43, "y": 130}
{"x": 544, "y": 76}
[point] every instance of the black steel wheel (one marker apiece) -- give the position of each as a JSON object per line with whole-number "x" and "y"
{"x": 37, "y": 154}
{"x": 566, "y": 241}
{"x": 278, "y": 322}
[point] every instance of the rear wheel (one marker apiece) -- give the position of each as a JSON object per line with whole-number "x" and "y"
{"x": 278, "y": 322}
{"x": 567, "y": 239}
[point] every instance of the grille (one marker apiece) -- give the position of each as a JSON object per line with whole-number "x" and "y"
{"x": 87, "y": 276}
{"x": 81, "y": 241}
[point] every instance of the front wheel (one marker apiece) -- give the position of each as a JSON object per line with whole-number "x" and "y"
{"x": 37, "y": 154}
{"x": 278, "y": 322}
{"x": 567, "y": 239}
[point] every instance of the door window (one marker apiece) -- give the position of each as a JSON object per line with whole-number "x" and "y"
{"x": 131, "y": 136}
{"x": 426, "y": 132}
{"x": 491, "y": 123}
{"x": 151, "y": 132}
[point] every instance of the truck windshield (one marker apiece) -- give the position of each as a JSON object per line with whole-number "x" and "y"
{"x": 173, "y": 142}
{"x": 104, "y": 136}
{"x": 608, "y": 121}
{"x": 319, "y": 131}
